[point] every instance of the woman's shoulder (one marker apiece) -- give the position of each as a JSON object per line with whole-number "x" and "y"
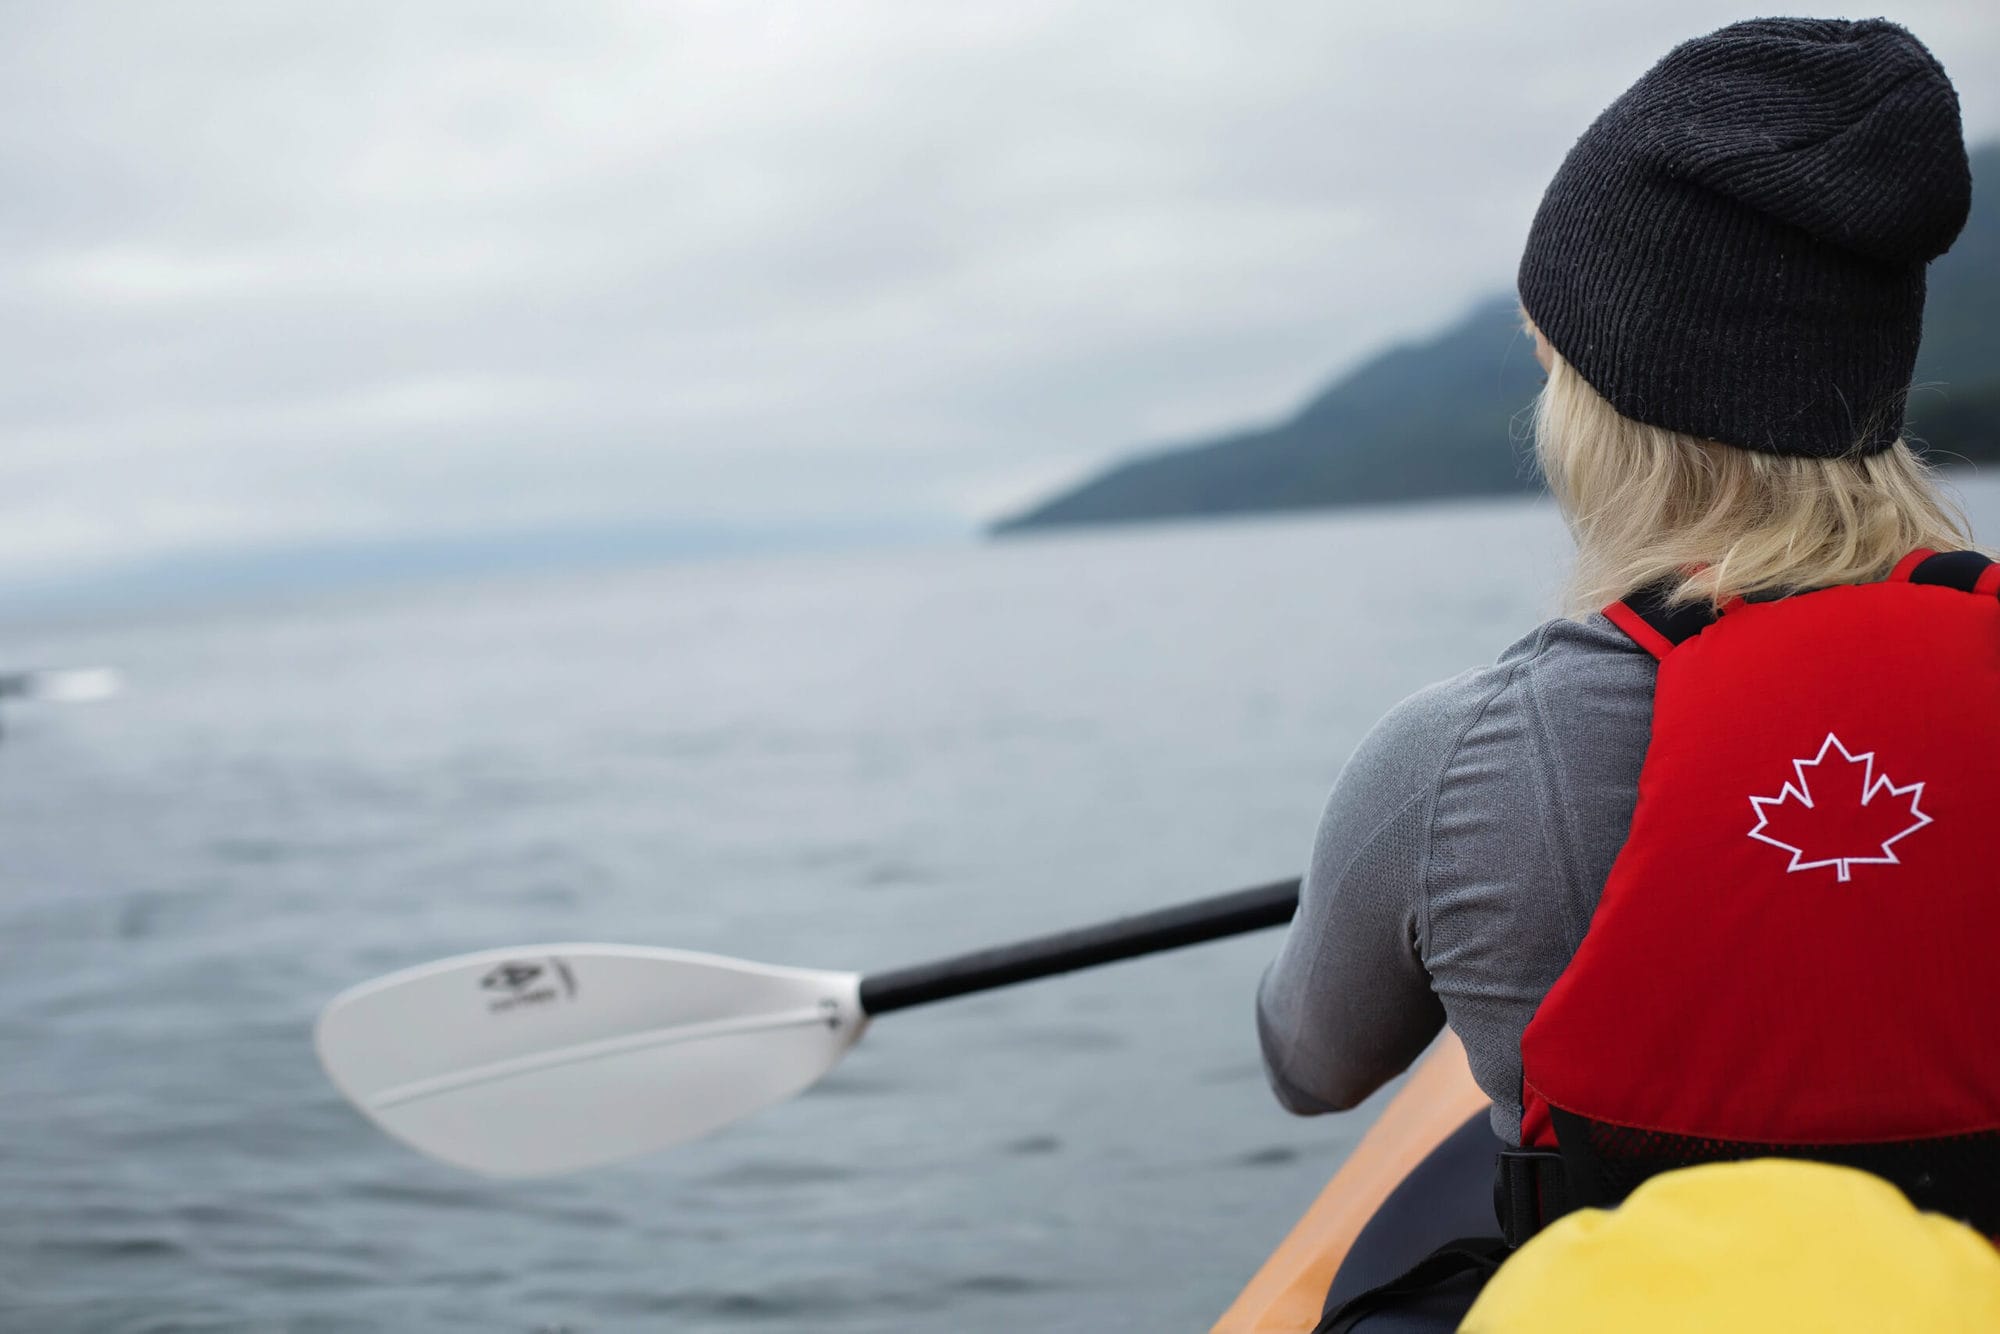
{"x": 1569, "y": 674}
{"x": 1581, "y": 689}
{"x": 1561, "y": 655}
{"x": 1586, "y": 654}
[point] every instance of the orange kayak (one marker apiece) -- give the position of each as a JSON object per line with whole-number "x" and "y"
{"x": 1287, "y": 1293}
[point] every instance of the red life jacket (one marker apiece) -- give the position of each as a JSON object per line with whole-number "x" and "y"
{"x": 1797, "y": 951}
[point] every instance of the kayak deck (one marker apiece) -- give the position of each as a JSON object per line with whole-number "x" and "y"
{"x": 1287, "y": 1292}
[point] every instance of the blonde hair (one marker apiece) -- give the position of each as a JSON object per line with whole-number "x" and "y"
{"x": 1646, "y": 504}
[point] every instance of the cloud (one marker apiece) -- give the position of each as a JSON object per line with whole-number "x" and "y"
{"x": 300, "y": 272}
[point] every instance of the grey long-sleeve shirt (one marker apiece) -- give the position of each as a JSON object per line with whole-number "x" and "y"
{"x": 1456, "y": 868}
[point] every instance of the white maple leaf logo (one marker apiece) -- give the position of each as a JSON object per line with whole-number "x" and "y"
{"x": 1853, "y": 819}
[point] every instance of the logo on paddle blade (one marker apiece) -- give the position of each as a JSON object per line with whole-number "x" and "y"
{"x": 527, "y": 984}
{"x": 511, "y": 976}
{"x": 1842, "y": 814}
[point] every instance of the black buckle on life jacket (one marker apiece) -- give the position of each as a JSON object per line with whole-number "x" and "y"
{"x": 1530, "y": 1191}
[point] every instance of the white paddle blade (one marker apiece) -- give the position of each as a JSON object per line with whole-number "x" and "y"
{"x": 550, "y": 1058}
{"x": 72, "y": 685}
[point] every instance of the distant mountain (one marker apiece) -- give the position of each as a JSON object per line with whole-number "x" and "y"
{"x": 1438, "y": 419}
{"x": 1955, "y": 409}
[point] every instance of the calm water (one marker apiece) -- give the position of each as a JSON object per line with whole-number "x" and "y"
{"x": 844, "y": 763}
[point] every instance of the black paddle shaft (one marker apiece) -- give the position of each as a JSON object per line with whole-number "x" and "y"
{"x": 1085, "y": 947}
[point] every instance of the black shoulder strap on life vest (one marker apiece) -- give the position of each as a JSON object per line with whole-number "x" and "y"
{"x": 1656, "y": 626}
{"x": 1967, "y": 571}
{"x": 1660, "y": 628}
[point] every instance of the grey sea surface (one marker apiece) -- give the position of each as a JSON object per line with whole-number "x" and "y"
{"x": 851, "y": 762}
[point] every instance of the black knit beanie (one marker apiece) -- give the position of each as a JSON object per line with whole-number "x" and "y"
{"x": 1736, "y": 248}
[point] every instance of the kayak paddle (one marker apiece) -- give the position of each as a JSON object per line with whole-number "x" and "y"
{"x": 548, "y": 1058}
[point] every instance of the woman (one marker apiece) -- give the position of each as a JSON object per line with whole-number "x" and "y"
{"x": 1725, "y": 286}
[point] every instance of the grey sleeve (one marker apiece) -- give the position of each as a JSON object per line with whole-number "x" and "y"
{"x": 1348, "y": 1004}
{"x": 1457, "y": 867}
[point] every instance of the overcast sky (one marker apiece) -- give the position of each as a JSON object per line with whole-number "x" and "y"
{"x": 282, "y": 271}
